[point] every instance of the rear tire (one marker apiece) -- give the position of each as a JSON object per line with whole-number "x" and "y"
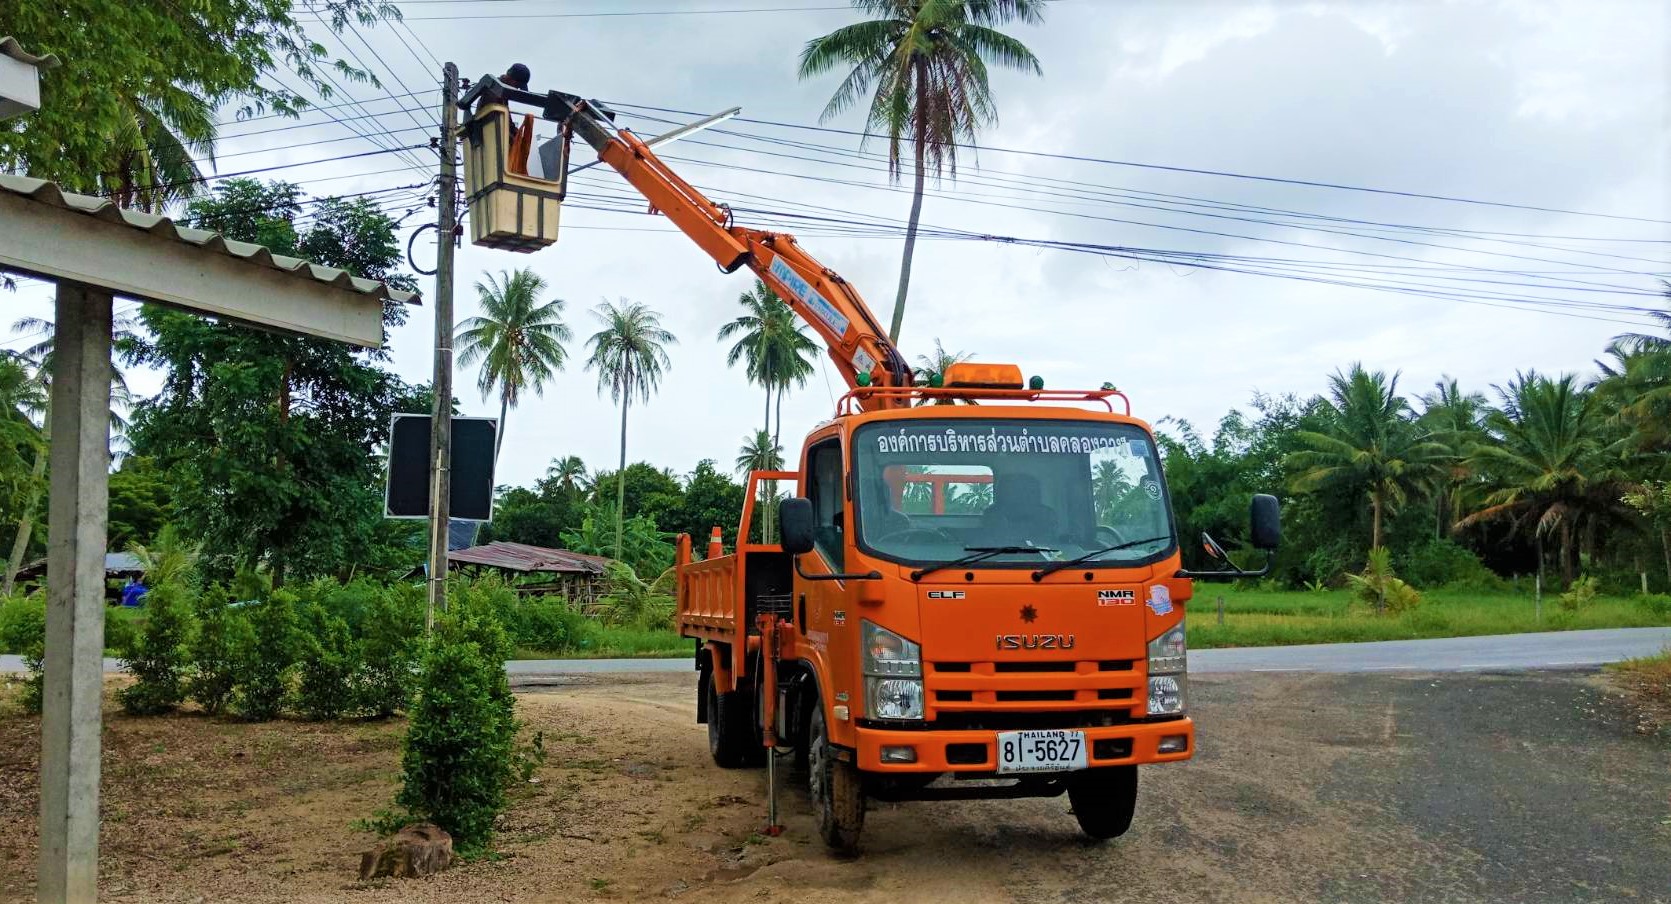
{"x": 731, "y": 740}
{"x": 837, "y": 789}
{"x": 1104, "y": 800}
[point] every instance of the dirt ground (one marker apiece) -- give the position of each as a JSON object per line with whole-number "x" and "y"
{"x": 1306, "y": 788}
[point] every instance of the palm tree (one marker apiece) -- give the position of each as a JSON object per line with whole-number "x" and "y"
{"x": 1370, "y": 444}
{"x": 761, "y": 452}
{"x": 152, "y": 150}
{"x": 772, "y": 342}
{"x": 518, "y": 338}
{"x": 924, "y": 65}
{"x": 126, "y": 343}
{"x": 628, "y": 356}
{"x": 568, "y": 474}
{"x": 938, "y": 363}
{"x": 1550, "y": 463}
{"x": 1457, "y": 420}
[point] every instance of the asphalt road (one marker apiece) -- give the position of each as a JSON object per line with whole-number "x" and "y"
{"x": 1500, "y": 652}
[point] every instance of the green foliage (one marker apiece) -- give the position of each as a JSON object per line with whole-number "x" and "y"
{"x": 1382, "y": 591}
{"x": 266, "y": 437}
{"x": 550, "y": 624}
{"x": 159, "y": 660}
{"x": 924, "y": 69}
{"x": 271, "y": 660}
{"x": 459, "y": 747}
{"x": 390, "y": 644}
{"x": 1437, "y": 563}
{"x": 644, "y": 548}
{"x": 140, "y": 80}
{"x": 772, "y": 342}
{"x": 23, "y": 631}
{"x": 169, "y": 559}
{"x": 219, "y": 651}
{"x": 139, "y": 501}
{"x": 328, "y": 666}
{"x": 1580, "y": 595}
{"x": 1656, "y": 604}
{"x": 628, "y": 600}
{"x": 630, "y": 357}
{"x": 518, "y": 338}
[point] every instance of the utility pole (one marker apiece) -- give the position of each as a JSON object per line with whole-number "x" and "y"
{"x": 441, "y": 423}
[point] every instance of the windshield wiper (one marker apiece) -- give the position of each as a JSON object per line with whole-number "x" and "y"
{"x": 980, "y": 553}
{"x": 1054, "y": 567}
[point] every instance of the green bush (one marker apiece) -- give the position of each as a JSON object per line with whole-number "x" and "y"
{"x": 550, "y": 624}
{"x": 390, "y": 644}
{"x": 23, "y": 631}
{"x": 490, "y": 598}
{"x": 1581, "y": 594}
{"x": 328, "y": 667}
{"x": 460, "y": 745}
{"x": 1657, "y": 604}
{"x": 628, "y": 600}
{"x": 1442, "y": 563}
{"x": 1382, "y": 591}
{"x": 120, "y": 631}
{"x": 267, "y": 668}
{"x": 218, "y": 653}
{"x": 159, "y": 659}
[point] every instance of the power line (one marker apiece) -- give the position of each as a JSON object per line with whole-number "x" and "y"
{"x": 309, "y": 108}
{"x": 635, "y": 13}
{"x": 1183, "y": 169}
{"x": 280, "y": 166}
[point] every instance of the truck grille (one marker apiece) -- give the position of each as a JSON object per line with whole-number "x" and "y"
{"x": 1074, "y": 693}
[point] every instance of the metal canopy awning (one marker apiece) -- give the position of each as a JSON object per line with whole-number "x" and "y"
{"x": 94, "y": 251}
{"x": 56, "y": 234}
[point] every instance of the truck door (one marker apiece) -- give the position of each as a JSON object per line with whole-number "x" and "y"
{"x": 831, "y": 621}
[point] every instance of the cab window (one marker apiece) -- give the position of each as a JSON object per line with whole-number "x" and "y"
{"x": 824, "y": 490}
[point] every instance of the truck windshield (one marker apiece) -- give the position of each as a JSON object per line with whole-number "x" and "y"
{"x": 931, "y": 490}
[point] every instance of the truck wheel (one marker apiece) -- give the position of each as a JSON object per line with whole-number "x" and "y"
{"x": 837, "y": 789}
{"x": 1103, "y": 800}
{"x": 730, "y": 728}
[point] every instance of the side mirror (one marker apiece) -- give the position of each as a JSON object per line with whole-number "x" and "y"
{"x": 1265, "y": 522}
{"x": 796, "y": 524}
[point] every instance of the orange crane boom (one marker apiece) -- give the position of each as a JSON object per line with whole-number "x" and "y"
{"x": 853, "y": 337}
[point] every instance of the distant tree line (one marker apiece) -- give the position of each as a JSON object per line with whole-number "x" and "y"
{"x": 1549, "y": 472}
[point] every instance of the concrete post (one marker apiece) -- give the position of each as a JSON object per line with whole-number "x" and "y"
{"x": 441, "y": 423}
{"x": 76, "y": 517}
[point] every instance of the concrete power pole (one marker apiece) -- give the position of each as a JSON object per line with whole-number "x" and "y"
{"x": 441, "y": 436}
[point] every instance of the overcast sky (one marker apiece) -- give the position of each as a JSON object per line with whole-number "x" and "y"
{"x": 1553, "y": 105}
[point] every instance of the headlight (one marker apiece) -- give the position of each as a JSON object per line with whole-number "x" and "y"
{"x": 1167, "y": 653}
{"x": 893, "y": 668}
{"x": 888, "y": 655}
{"x": 894, "y": 698}
{"x": 1166, "y": 694}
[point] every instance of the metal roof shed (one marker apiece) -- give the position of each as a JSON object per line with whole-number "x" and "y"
{"x": 94, "y": 251}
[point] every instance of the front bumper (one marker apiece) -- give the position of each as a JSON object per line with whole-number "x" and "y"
{"x": 955, "y": 750}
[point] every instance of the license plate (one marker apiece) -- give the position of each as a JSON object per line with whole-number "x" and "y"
{"x": 1041, "y": 751}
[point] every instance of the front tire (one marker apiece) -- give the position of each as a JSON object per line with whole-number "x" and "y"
{"x": 1104, "y": 800}
{"x": 837, "y": 788}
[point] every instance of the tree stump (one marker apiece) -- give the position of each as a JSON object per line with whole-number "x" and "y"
{"x": 417, "y": 850}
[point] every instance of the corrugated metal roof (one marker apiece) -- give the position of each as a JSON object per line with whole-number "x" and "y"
{"x": 105, "y": 209}
{"x": 11, "y": 48}
{"x": 522, "y": 557}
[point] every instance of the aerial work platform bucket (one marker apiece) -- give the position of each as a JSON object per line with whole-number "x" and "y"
{"x": 510, "y": 209}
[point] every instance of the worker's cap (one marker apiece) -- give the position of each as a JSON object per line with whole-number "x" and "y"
{"x": 517, "y": 76}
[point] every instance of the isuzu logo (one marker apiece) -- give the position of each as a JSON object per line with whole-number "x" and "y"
{"x": 1035, "y": 641}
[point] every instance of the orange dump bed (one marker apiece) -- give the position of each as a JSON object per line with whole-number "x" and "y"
{"x": 708, "y": 599}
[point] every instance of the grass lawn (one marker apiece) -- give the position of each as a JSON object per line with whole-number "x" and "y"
{"x": 1258, "y": 618}
{"x": 605, "y": 642}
